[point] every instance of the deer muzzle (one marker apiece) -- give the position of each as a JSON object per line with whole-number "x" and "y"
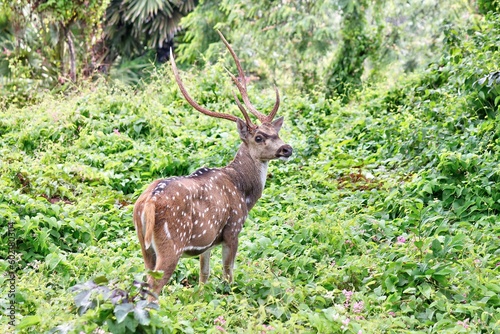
{"x": 284, "y": 152}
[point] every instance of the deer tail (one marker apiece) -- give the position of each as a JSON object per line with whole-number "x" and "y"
{"x": 148, "y": 219}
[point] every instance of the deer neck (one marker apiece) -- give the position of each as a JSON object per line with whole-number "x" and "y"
{"x": 248, "y": 174}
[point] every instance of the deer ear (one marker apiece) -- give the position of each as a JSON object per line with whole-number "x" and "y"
{"x": 278, "y": 123}
{"x": 242, "y": 129}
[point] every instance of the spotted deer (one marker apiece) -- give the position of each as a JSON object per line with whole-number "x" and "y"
{"x": 189, "y": 215}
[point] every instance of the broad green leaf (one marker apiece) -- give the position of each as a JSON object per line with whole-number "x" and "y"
{"x": 426, "y": 290}
{"x": 436, "y": 247}
{"x": 141, "y": 314}
{"x": 52, "y": 260}
{"x": 100, "y": 280}
{"x": 122, "y": 310}
{"x": 28, "y": 321}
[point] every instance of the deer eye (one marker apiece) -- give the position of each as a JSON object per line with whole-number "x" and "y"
{"x": 259, "y": 139}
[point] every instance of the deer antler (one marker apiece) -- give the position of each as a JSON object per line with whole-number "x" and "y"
{"x": 201, "y": 109}
{"x": 270, "y": 117}
{"x": 242, "y": 87}
{"x": 244, "y": 112}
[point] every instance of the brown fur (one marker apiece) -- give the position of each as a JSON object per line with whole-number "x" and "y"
{"x": 189, "y": 215}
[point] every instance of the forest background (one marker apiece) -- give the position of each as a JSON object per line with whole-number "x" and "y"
{"x": 386, "y": 220}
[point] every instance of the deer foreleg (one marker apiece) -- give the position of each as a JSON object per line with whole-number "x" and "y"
{"x": 229, "y": 249}
{"x": 204, "y": 266}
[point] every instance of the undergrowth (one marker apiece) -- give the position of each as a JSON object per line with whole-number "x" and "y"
{"x": 385, "y": 220}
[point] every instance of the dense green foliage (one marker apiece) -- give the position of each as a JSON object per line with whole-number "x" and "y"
{"x": 45, "y": 44}
{"x": 49, "y": 44}
{"x": 385, "y": 220}
{"x": 329, "y": 46}
{"x": 131, "y": 27}
{"x": 333, "y": 46}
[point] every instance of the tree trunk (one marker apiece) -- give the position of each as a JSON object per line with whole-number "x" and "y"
{"x": 60, "y": 47}
{"x": 72, "y": 56}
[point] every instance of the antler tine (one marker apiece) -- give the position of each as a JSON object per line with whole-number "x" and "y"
{"x": 244, "y": 95}
{"x": 192, "y": 102}
{"x": 270, "y": 117}
{"x": 244, "y": 112}
{"x": 236, "y": 59}
{"x": 242, "y": 87}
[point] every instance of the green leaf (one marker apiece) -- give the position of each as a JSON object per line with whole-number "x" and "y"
{"x": 426, "y": 290}
{"x": 436, "y": 247}
{"x": 155, "y": 274}
{"x": 82, "y": 298}
{"x": 410, "y": 290}
{"x": 442, "y": 276}
{"x": 116, "y": 327}
{"x": 493, "y": 287}
{"x": 28, "y": 321}
{"x": 83, "y": 301}
{"x": 390, "y": 283}
{"x": 101, "y": 279}
{"x": 52, "y": 260}
{"x": 140, "y": 313}
{"x": 122, "y": 310}
{"x": 427, "y": 188}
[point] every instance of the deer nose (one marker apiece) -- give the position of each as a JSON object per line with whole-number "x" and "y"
{"x": 284, "y": 151}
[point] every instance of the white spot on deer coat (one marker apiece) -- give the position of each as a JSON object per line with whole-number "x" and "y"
{"x": 167, "y": 232}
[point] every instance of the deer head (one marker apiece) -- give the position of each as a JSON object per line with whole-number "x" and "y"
{"x": 246, "y": 129}
{"x": 191, "y": 214}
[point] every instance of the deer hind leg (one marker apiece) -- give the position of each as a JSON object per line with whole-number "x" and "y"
{"x": 204, "y": 266}
{"x": 149, "y": 258}
{"x": 229, "y": 248}
{"x": 166, "y": 260}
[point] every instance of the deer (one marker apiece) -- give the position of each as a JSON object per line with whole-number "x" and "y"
{"x": 189, "y": 215}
